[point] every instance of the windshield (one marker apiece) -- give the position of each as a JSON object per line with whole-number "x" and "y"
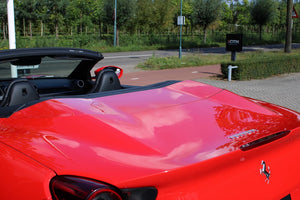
{"x": 49, "y": 67}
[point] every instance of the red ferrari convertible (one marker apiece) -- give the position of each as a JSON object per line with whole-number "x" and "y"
{"x": 71, "y": 132}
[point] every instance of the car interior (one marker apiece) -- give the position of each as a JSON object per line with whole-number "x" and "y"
{"x": 22, "y": 90}
{"x": 19, "y": 93}
{"x": 30, "y": 76}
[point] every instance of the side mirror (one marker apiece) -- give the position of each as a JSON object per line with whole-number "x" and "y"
{"x": 117, "y": 70}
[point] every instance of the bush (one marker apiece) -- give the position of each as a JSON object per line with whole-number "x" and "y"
{"x": 262, "y": 66}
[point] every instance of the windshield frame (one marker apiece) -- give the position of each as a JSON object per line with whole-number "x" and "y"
{"x": 31, "y": 58}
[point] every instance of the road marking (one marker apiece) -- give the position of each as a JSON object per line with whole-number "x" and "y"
{"x": 133, "y": 56}
{"x": 133, "y": 79}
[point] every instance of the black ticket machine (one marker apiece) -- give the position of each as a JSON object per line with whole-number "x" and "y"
{"x": 234, "y": 43}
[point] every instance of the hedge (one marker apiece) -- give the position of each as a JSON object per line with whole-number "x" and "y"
{"x": 263, "y": 66}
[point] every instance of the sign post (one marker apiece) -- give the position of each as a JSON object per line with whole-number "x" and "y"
{"x": 180, "y": 22}
{"x": 234, "y": 43}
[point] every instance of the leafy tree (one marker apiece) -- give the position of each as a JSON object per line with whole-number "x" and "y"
{"x": 41, "y": 12}
{"x": 163, "y": 11}
{"x": 27, "y": 12}
{"x": 125, "y": 14}
{"x": 97, "y": 13}
{"x": 236, "y": 13}
{"x": 144, "y": 16}
{"x": 232, "y": 4}
{"x": 205, "y": 13}
{"x": 56, "y": 10}
{"x": 262, "y": 12}
{"x": 3, "y": 17}
{"x": 83, "y": 12}
{"x": 187, "y": 11}
{"x": 279, "y": 19}
{"x": 242, "y": 12}
{"x": 227, "y": 16}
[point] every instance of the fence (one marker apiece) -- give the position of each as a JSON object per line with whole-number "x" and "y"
{"x": 142, "y": 40}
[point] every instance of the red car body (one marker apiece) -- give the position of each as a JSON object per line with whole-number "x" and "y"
{"x": 188, "y": 140}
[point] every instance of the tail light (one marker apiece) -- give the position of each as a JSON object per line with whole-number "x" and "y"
{"x": 75, "y": 188}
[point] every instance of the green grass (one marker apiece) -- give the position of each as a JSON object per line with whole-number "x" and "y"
{"x": 156, "y": 63}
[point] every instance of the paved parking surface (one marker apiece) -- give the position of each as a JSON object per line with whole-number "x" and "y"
{"x": 155, "y": 76}
{"x": 281, "y": 90}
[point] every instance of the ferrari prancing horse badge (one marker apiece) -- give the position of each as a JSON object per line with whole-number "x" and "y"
{"x": 265, "y": 171}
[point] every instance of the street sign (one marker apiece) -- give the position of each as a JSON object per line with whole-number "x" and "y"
{"x": 295, "y": 14}
{"x": 234, "y": 42}
{"x": 181, "y": 20}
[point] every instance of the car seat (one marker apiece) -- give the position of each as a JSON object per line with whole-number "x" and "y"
{"x": 106, "y": 80}
{"x": 19, "y": 91}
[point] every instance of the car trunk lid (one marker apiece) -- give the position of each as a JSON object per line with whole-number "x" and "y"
{"x": 126, "y": 136}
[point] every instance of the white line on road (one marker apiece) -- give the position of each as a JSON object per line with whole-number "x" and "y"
{"x": 133, "y": 56}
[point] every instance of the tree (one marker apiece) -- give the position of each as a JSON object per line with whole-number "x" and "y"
{"x": 27, "y": 12}
{"x": 280, "y": 15}
{"x": 56, "y": 10}
{"x": 262, "y": 12}
{"x": 242, "y": 10}
{"x": 288, "y": 40}
{"x": 41, "y": 12}
{"x": 187, "y": 12}
{"x": 144, "y": 15}
{"x": 235, "y": 13}
{"x": 97, "y": 13}
{"x": 163, "y": 11}
{"x": 205, "y": 13}
{"x": 3, "y": 17}
{"x": 82, "y": 12}
{"x": 227, "y": 15}
{"x": 125, "y": 14}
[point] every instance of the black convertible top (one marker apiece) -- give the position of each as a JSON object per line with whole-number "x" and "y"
{"x": 13, "y": 54}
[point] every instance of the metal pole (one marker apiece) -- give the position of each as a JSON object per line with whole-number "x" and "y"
{"x": 230, "y": 67}
{"x": 288, "y": 36}
{"x": 115, "y": 24}
{"x": 233, "y": 55}
{"x": 11, "y": 33}
{"x": 180, "y": 45}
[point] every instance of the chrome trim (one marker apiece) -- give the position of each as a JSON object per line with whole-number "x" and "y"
{"x": 265, "y": 170}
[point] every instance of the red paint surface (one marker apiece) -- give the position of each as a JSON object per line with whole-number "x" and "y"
{"x": 176, "y": 139}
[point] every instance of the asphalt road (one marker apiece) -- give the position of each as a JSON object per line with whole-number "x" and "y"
{"x": 129, "y": 60}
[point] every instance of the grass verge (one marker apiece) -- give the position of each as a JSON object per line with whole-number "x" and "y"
{"x": 252, "y": 65}
{"x": 156, "y": 63}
